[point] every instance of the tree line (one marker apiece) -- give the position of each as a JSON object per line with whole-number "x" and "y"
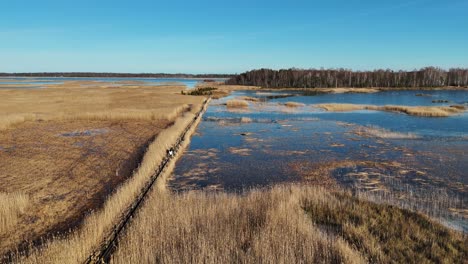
{"x": 330, "y": 78}
{"x": 114, "y": 75}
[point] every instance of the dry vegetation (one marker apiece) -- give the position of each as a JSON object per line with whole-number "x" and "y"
{"x": 91, "y": 103}
{"x": 77, "y": 246}
{"x": 11, "y": 207}
{"x": 427, "y": 111}
{"x": 293, "y": 104}
{"x": 67, "y": 168}
{"x": 236, "y": 103}
{"x": 286, "y": 224}
{"x": 67, "y": 148}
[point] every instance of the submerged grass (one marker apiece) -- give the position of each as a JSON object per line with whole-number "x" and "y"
{"x": 383, "y": 133}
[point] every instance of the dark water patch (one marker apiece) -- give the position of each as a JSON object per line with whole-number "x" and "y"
{"x": 85, "y": 133}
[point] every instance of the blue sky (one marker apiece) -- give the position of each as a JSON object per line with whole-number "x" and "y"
{"x": 230, "y": 36}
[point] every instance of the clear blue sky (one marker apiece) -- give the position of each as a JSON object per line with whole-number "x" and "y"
{"x": 227, "y": 36}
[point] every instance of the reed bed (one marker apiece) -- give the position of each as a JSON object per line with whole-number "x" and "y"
{"x": 71, "y": 101}
{"x": 78, "y": 245}
{"x": 11, "y": 206}
{"x": 341, "y": 107}
{"x": 236, "y": 103}
{"x": 426, "y": 111}
{"x": 284, "y": 224}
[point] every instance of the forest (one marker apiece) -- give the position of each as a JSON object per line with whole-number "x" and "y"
{"x": 330, "y": 78}
{"x": 113, "y": 75}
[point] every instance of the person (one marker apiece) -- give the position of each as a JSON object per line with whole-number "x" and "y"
{"x": 170, "y": 152}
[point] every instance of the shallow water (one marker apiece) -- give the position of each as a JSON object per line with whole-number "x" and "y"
{"x": 34, "y": 83}
{"x": 269, "y": 143}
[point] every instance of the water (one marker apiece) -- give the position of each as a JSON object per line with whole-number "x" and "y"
{"x": 34, "y": 83}
{"x": 269, "y": 143}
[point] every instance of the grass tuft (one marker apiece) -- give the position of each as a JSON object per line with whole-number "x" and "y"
{"x": 235, "y": 103}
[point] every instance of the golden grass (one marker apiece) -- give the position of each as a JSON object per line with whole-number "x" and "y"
{"x": 77, "y": 246}
{"x": 341, "y": 107}
{"x": 426, "y": 111}
{"x": 347, "y": 90}
{"x": 12, "y": 205}
{"x": 45, "y": 116}
{"x": 285, "y": 224}
{"x": 72, "y": 101}
{"x": 67, "y": 168}
{"x": 235, "y": 103}
{"x": 294, "y": 104}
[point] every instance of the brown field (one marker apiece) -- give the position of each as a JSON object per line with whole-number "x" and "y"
{"x": 427, "y": 111}
{"x": 287, "y": 224}
{"x": 75, "y": 102}
{"x": 66, "y": 172}
{"x": 79, "y": 244}
{"x": 64, "y": 152}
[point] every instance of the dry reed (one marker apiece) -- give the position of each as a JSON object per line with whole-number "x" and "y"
{"x": 78, "y": 245}
{"x": 91, "y": 103}
{"x": 235, "y": 103}
{"x": 285, "y": 224}
{"x": 11, "y": 206}
{"x": 294, "y": 104}
{"x": 427, "y": 111}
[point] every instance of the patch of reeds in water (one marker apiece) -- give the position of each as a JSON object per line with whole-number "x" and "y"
{"x": 236, "y": 103}
{"x": 427, "y": 111}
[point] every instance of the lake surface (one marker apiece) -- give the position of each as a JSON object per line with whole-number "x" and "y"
{"x": 417, "y": 162}
{"x": 34, "y": 83}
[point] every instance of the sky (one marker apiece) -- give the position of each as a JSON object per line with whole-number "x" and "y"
{"x": 227, "y": 36}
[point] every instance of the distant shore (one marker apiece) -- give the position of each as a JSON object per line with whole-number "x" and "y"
{"x": 113, "y": 75}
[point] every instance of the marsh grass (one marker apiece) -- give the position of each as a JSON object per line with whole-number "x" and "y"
{"x": 383, "y": 133}
{"x": 76, "y": 246}
{"x": 71, "y": 102}
{"x": 12, "y": 205}
{"x": 426, "y": 111}
{"x": 248, "y": 98}
{"x": 236, "y": 103}
{"x": 284, "y": 224}
{"x": 294, "y": 104}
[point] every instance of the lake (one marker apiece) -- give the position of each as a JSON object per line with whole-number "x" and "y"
{"x": 34, "y": 83}
{"x": 415, "y": 162}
